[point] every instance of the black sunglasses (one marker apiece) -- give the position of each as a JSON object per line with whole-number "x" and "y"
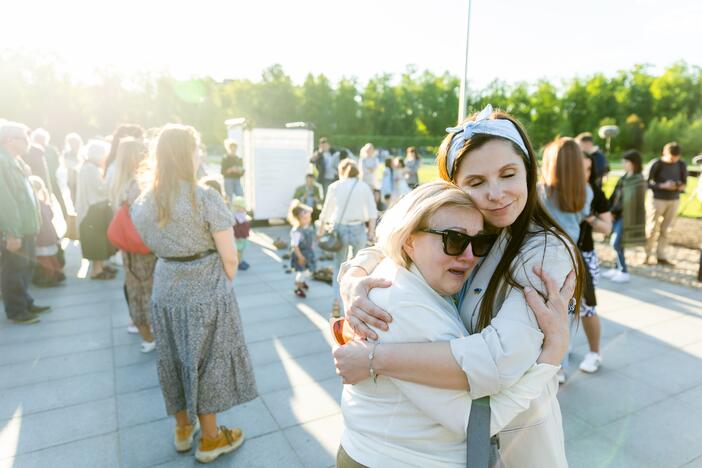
{"x": 456, "y": 242}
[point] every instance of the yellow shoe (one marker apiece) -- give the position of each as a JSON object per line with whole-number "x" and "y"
{"x": 183, "y": 437}
{"x": 227, "y": 441}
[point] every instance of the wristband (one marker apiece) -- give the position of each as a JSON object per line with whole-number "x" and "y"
{"x": 371, "y": 355}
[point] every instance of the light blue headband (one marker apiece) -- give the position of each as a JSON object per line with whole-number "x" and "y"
{"x": 482, "y": 125}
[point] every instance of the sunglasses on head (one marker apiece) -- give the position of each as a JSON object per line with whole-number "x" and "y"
{"x": 456, "y": 242}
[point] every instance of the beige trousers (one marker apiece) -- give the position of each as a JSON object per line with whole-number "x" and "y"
{"x": 660, "y": 215}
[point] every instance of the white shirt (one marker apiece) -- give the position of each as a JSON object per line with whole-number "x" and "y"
{"x": 361, "y": 208}
{"x": 393, "y": 423}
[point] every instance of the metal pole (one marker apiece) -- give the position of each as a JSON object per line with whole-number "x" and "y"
{"x": 464, "y": 84}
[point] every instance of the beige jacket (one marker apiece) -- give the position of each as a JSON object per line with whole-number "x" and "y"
{"x": 498, "y": 356}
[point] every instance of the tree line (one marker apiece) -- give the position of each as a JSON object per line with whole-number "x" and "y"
{"x": 391, "y": 111}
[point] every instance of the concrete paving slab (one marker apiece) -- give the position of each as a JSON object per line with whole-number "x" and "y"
{"x": 316, "y": 442}
{"x": 136, "y": 377}
{"x": 304, "y": 403}
{"x": 295, "y": 346}
{"x": 94, "y": 452}
{"x": 24, "y": 352}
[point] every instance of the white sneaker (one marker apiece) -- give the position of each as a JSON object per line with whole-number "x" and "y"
{"x": 591, "y": 362}
{"x": 561, "y": 376}
{"x": 609, "y": 274}
{"x": 132, "y": 329}
{"x": 620, "y": 277}
{"x": 147, "y": 347}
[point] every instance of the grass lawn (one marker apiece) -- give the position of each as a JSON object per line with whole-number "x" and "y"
{"x": 690, "y": 209}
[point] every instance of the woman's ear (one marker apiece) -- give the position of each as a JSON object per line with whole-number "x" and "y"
{"x": 408, "y": 246}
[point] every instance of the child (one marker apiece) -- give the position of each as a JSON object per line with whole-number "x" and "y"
{"x": 242, "y": 229}
{"x": 302, "y": 238}
{"x": 49, "y": 271}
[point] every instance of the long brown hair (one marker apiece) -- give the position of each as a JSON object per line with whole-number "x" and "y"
{"x": 533, "y": 213}
{"x": 176, "y": 151}
{"x": 130, "y": 155}
{"x": 564, "y": 175}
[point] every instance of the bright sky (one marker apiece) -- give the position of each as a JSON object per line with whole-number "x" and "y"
{"x": 512, "y": 40}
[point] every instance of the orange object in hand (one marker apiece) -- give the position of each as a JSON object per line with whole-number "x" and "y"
{"x": 341, "y": 331}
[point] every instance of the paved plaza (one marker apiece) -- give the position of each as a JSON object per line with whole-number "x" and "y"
{"x": 75, "y": 390}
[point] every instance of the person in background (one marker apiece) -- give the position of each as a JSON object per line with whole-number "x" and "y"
{"x": 667, "y": 179}
{"x": 628, "y": 205}
{"x": 19, "y": 224}
{"x": 348, "y": 206}
{"x": 35, "y": 158}
{"x": 242, "y": 230}
{"x": 71, "y": 161}
{"x": 379, "y": 204}
{"x": 412, "y": 164}
{"x": 326, "y": 161}
{"x": 49, "y": 271}
{"x": 203, "y": 365}
{"x": 232, "y": 170}
{"x": 399, "y": 182}
{"x": 41, "y": 139}
{"x": 368, "y": 164}
{"x": 93, "y": 212}
{"x": 599, "y": 220}
{"x": 600, "y": 165}
{"x": 124, "y": 130}
{"x": 138, "y": 268}
{"x": 386, "y": 183}
{"x": 302, "y": 238}
{"x": 566, "y": 195}
{"x": 310, "y": 194}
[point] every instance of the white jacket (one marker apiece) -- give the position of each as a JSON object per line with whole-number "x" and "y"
{"x": 397, "y": 423}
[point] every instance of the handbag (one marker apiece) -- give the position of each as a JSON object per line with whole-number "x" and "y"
{"x": 123, "y": 234}
{"x": 330, "y": 241}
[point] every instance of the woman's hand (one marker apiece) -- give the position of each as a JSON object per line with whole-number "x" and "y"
{"x": 359, "y": 310}
{"x": 552, "y": 315}
{"x": 351, "y": 361}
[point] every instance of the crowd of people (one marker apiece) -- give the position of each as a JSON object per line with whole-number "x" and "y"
{"x": 461, "y": 286}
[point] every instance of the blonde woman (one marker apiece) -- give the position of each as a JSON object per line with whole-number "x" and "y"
{"x": 431, "y": 240}
{"x": 203, "y": 362}
{"x": 138, "y": 268}
{"x": 368, "y": 164}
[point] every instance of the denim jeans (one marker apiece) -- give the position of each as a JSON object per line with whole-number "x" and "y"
{"x": 232, "y": 187}
{"x": 17, "y": 268}
{"x": 617, "y": 231}
{"x": 353, "y": 236}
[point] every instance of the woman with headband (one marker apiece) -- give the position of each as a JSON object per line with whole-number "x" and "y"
{"x": 489, "y": 157}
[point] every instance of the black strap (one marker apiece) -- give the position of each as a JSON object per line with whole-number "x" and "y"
{"x": 481, "y": 449}
{"x": 191, "y": 258}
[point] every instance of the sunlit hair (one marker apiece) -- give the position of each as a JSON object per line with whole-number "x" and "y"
{"x": 563, "y": 174}
{"x": 72, "y": 142}
{"x": 40, "y": 136}
{"x": 124, "y": 130}
{"x": 175, "y": 157}
{"x": 40, "y": 189}
{"x": 295, "y": 210}
{"x": 534, "y": 215}
{"x": 347, "y": 169}
{"x": 130, "y": 158}
{"x": 413, "y": 213}
{"x": 367, "y": 151}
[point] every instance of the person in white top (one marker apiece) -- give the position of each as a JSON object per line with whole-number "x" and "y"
{"x": 368, "y": 164}
{"x": 348, "y": 206}
{"x": 431, "y": 240}
{"x": 490, "y": 158}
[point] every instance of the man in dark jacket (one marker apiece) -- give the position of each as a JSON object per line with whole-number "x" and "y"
{"x": 326, "y": 161}
{"x": 19, "y": 224}
{"x": 600, "y": 165}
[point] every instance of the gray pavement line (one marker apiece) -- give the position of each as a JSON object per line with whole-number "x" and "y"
{"x": 116, "y": 399}
{"x": 51, "y": 356}
{"x": 689, "y": 463}
{"x": 35, "y": 339}
{"x": 73, "y": 405}
{"x": 48, "y": 447}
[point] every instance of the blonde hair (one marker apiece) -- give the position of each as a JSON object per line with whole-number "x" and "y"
{"x": 348, "y": 168}
{"x": 40, "y": 189}
{"x": 564, "y": 175}
{"x": 131, "y": 153}
{"x": 412, "y": 213}
{"x": 175, "y": 156}
{"x": 295, "y": 210}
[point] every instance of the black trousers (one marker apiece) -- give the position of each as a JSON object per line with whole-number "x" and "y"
{"x": 17, "y": 269}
